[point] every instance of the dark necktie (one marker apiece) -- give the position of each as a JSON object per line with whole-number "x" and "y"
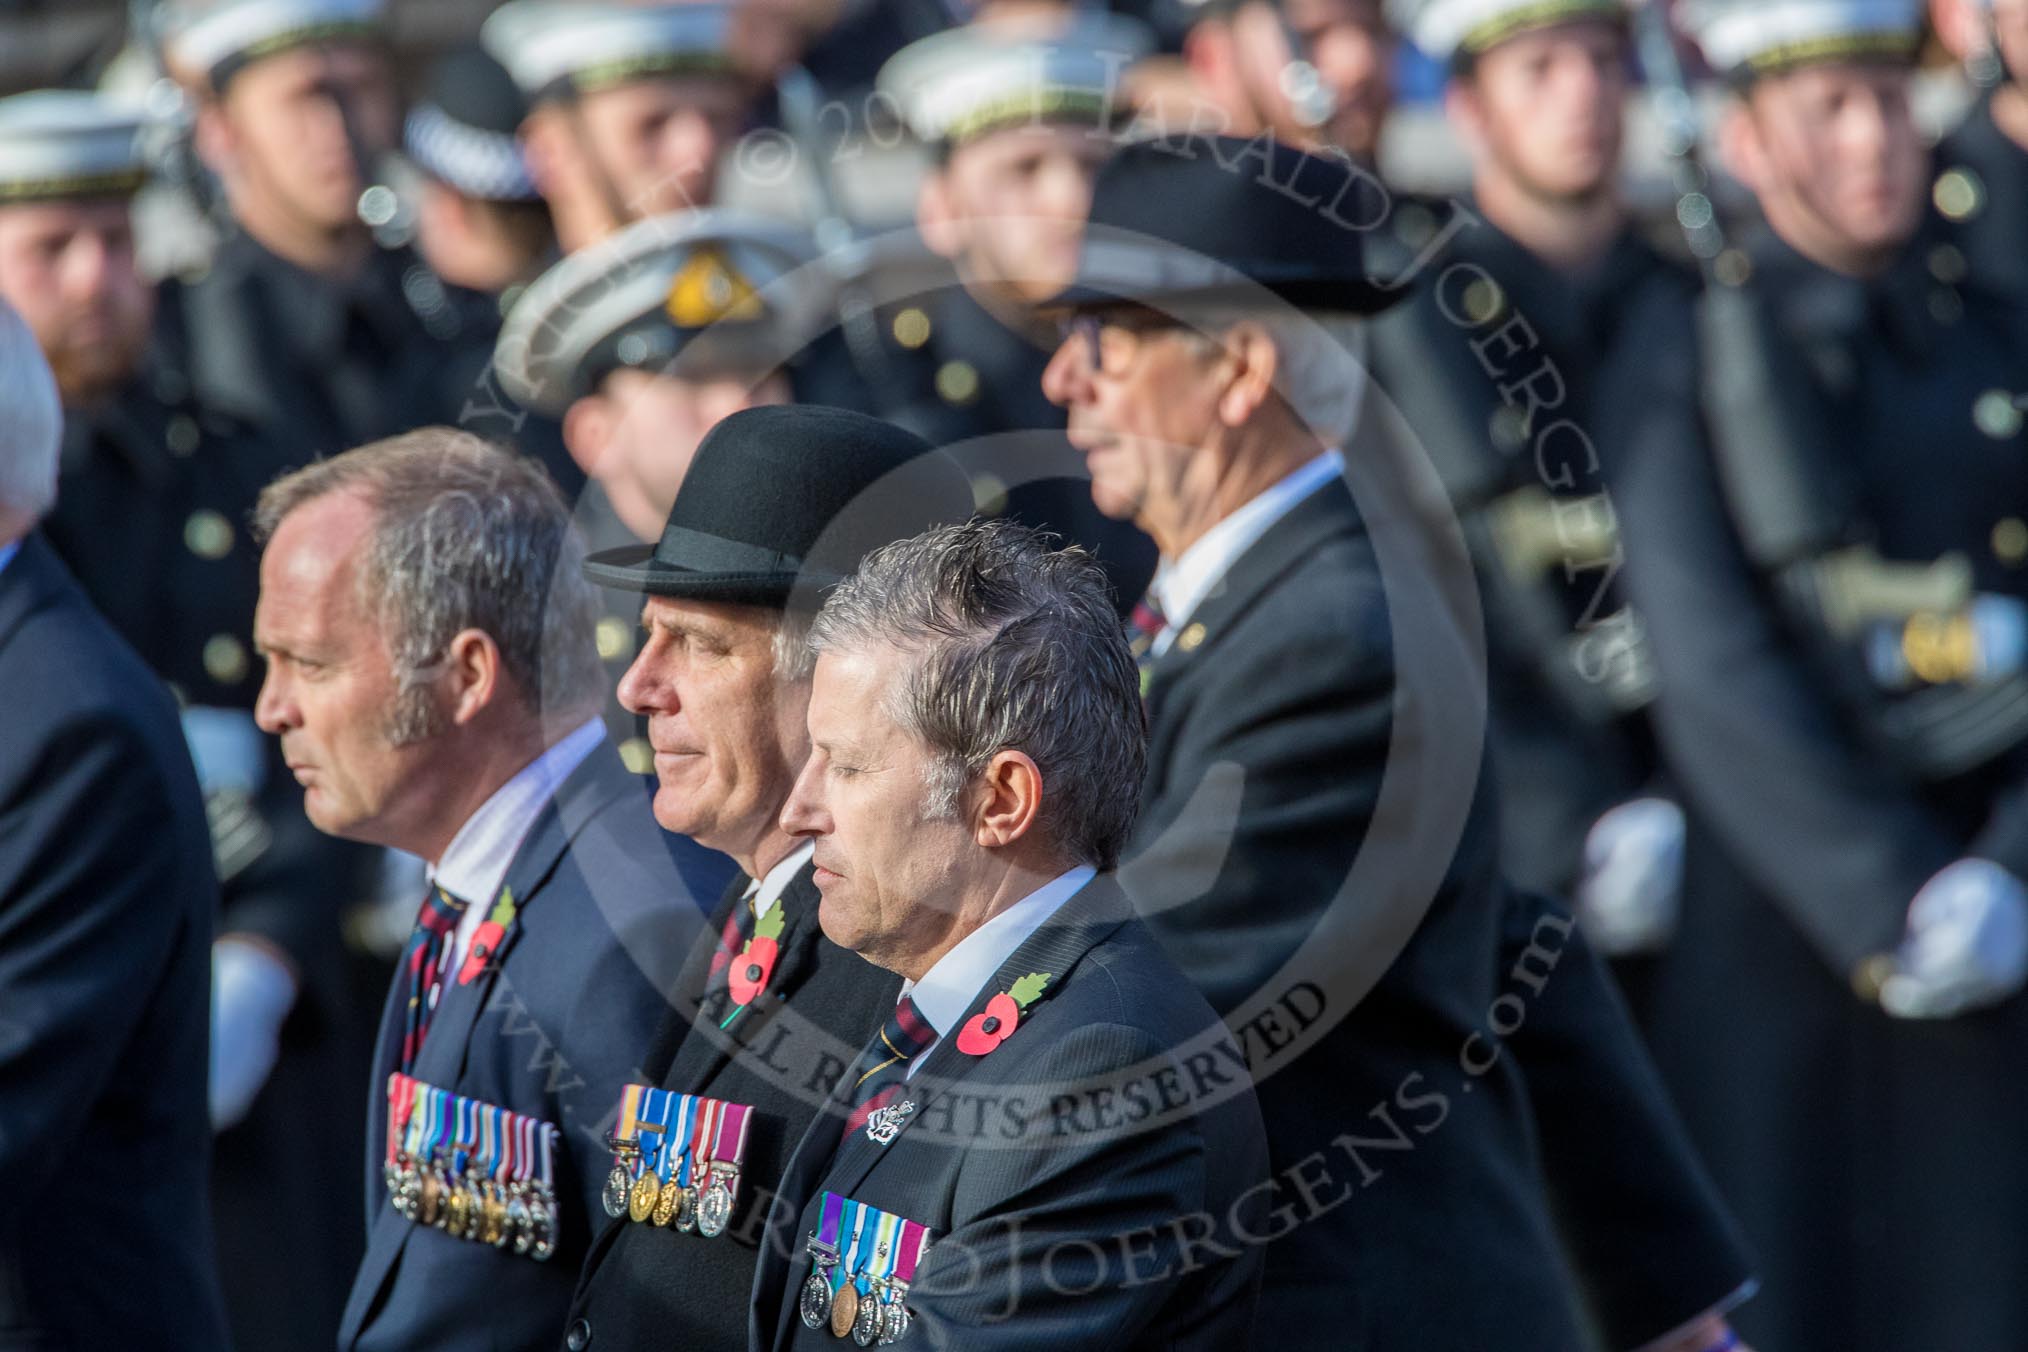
{"x": 1143, "y": 629}
{"x": 424, "y": 962}
{"x": 883, "y": 1067}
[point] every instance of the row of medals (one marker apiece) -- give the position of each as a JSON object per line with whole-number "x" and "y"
{"x": 519, "y": 1215}
{"x": 647, "y": 1200}
{"x": 880, "y": 1317}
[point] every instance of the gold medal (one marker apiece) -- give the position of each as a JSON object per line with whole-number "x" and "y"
{"x": 430, "y": 1209}
{"x": 641, "y": 1202}
{"x": 844, "y": 1309}
{"x": 457, "y": 1211}
{"x": 666, "y": 1205}
{"x": 493, "y": 1217}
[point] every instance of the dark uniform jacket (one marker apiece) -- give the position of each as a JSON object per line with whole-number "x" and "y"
{"x": 1872, "y": 1161}
{"x": 645, "y": 1287}
{"x": 554, "y": 1026}
{"x": 106, "y": 909}
{"x": 1066, "y": 1197}
{"x": 1316, "y": 850}
{"x": 1982, "y": 187}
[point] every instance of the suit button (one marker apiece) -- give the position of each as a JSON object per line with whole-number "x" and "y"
{"x": 579, "y": 1337}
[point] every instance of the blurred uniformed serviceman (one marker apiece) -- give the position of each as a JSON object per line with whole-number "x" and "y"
{"x": 1495, "y": 366}
{"x": 1825, "y": 510}
{"x": 302, "y": 323}
{"x": 179, "y": 580}
{"x": 1018, "y": 110}
{"x": 1982, "y": 165}
{"x": 480, "y": 221}
{"x": 632, "y": 105}
{"x": 639, "y": 345}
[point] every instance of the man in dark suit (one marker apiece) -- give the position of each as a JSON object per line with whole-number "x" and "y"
{"x": 723, "y": 680}
{"x": 107, "y": 901}
{"x": 455, "y": 717}
{"x": 1316, "y": 846}
{"x": 1029, "y": 1107}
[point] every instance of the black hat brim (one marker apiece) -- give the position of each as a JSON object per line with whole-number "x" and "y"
{"x": 634, "y": 568}
{"x": 1335, "y": 295}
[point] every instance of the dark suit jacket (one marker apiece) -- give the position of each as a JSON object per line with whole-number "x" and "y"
{"x": 1080, "y": 1190}
{"x": 554, "y": 1027}
{"x": 106, "y": 909}
{"x": 1313, "y": 716}
{"x": 645, "y": 1287}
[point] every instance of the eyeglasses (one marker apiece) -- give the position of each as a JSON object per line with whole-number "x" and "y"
{"x": 1115, "y": 333}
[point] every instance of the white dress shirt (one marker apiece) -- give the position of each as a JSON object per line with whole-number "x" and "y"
{"x": 947, "y": 990}
{"x": 474, "y": 867}
{"x": 777, "y": 880}
{"x": 1181, "y": 585}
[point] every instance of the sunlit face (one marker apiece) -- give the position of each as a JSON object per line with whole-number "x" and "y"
{"x": 659, "y": 141}
{"x": 1016, "y": 201}
{"x": 330, "y": 688}
{"x": 639, "y": 433}
{"x": 286, "y": 141}
{"x": 68, "y": 268}
{"x": 1832, "y": 153}
{"x": 887, "y": 870}
{"x": 1349, "y": 45}
{"x": 1139, "y": 415}
{"x": 728, "y": 736}
{"x": 1551, "y": 108}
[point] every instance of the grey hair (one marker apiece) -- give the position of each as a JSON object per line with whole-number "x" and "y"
{"x": 795, "y": 659}
{"x": 466, "y": 535}
{"x": 1321, "y": 374}
{"x": 1018, "y": 648}
{"x": 31, "y": 421}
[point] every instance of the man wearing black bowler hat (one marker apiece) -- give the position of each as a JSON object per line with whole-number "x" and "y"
{"x": 1316, "y": 711}
{"x": 779, "y": 502}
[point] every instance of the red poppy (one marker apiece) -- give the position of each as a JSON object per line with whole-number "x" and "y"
{"x": 751, "y": 970}
{"x": 485, "y": 943}
{"x": 989, "y": 1028}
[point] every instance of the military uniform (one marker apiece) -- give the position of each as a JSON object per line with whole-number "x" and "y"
{"x": 179, "y": 581}
{"x": 1823, "y": 508}
{"x": 1981, "y": 187}
{"x": 944, "y": 365}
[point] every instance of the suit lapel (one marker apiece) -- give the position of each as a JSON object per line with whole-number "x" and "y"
{"x": 666, "y": 1057}
{"x": 1310, "y": 523}
{"x": 597, "y": 781}
{"x": 33, "y": 578}
{"x": 704, "y": 1051}
{"x": 822, "y": 1163}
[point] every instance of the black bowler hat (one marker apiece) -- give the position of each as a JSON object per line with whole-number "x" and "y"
{"x": 1211, "y": 218}
{"x": 785, "y": 500}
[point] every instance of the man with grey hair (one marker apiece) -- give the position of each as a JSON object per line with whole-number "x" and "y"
{"x": 977, "y": 742}
{"x": 107, "y": 900}
{"x": 433, "y": 679}
{"x": 1316, "y": 846}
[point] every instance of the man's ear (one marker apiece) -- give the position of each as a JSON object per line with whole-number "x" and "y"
{"x": 473, "y": 674}
{"x": 1255, "y": 361}
{"x": 1466, "y": 112}
{"x": 588, "y": 431}
{"x": 937, "y": 216}
{"x": 1742, "y": 146}
{"x": 216, "y": 141}
{"x": 1007, "y": 798}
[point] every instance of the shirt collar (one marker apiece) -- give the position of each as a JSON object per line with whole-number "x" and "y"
{"x": 1181, "y": 584}
{"x": 778, "y": 878}
{"x": 947, "y": 990}
{"x": 7, "y": 553}
{"x": 475, "y": 865}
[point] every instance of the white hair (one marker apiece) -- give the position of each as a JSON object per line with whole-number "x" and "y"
{"x": 1321, "y": 374}
{"x": 31, "y": 422}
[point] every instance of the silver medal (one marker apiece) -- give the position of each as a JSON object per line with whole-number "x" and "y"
{"x": 815, "y": 1305}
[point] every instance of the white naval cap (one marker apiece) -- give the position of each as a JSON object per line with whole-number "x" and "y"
{"x": 1448, "y": 29}
{"x": 562, "y": 47}
{"x": 995, "y": 73}
{"x": 65, "y": 143}
{"x": 727, "y": 289}
{"x": 463, "y": 132}
{"x": 216, "y": 38}
{"x": 1743, "y": 38}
